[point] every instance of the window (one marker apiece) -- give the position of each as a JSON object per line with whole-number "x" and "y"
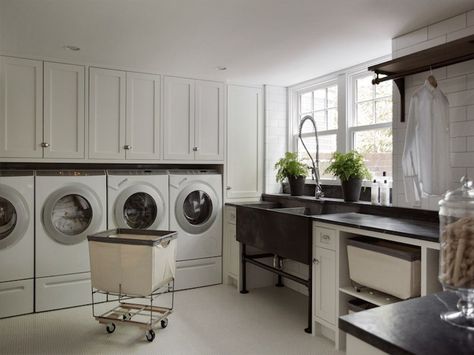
{"x": 370, "y": 128}
{"x": 320, "y": 102}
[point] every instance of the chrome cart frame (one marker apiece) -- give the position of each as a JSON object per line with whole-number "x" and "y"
{"x": 128, "y": 312}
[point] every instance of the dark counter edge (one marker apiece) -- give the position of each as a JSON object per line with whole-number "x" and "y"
{"x": 371, "y": 339}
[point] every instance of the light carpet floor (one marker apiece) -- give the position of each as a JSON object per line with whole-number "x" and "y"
{"x": 210, "y": 320}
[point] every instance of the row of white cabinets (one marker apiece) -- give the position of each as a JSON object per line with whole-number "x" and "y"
{"x": 42, "y": 114}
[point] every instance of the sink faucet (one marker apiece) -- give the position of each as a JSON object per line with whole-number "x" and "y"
{"x": 318, "y": 192}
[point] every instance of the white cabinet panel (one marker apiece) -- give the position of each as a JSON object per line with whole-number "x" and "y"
{"x": 143, "y": 116}
{"x": 324, "y": 271}
{"x": 21, "y": 108}
{"x": 107, "y": 114}
{"x": 179, "y": 118}
{"x": 209, "y": 126}
{"x": 63, "y": 110}
{"x": 244, "y": 142}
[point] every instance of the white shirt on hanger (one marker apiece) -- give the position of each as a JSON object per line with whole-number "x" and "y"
{"x": 425, "y": 160}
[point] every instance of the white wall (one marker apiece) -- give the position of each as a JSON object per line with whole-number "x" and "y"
{"x": 457, "y": 82}
{"x": 276, "y": 133}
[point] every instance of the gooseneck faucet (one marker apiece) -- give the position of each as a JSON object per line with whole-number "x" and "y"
{"x": 318, "y": 192}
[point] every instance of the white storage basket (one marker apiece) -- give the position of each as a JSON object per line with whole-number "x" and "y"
{"x": 132, "y": 262}
{"x": 389, "y": 267}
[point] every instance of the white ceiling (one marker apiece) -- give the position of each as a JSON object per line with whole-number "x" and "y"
{"x": 278, "y": 42}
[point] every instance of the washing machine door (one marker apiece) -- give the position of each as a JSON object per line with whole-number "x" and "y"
{"x": 14, "y": 216}
{"x": 196, "y": 207}
{"x": 71, "y": 213}
{"x": 139, "y": 206}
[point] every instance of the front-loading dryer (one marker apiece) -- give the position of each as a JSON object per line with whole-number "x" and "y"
{"x": 16, "y": 242}
{"x": 196, "y": 214}
{"x": 69, "y": 206}
{"x": 138, "y": 199}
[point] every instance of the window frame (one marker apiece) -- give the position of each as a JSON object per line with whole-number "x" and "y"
{"x": 345, "y": 79}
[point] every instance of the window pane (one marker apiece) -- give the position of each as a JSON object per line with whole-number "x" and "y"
{"x": 332, "y": 96}
{"x": 383, "y": 110}
{"x": 306, "y": 103}
{"x": 321, "y": 122}
{"x": 332, "y": 118}
{"x": 364, "y": 89}
{"x": 384, "y": 89}
{"x": 308, "y": 126}
{"x": 365, "y": 113}
{"x": 319, "y": 99}
{"x": 376, "y": 147}
{"x": 327, "y": 146}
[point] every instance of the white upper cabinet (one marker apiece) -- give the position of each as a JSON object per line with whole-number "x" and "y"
{"x": 143, "y": 116}
{"x": 179, "y": 118}
{"x": 21, "y": 108}
{"x": 209, "y": 121}
{"x": 63, "y": 111}
{"x": 244, "y": 142}
{"x": 107, "y": 114}
{"x": 193, "y": 120}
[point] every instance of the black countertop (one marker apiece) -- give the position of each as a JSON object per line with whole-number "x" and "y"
{"x": 416, "y": 224}
{"x": 411, "y": 327}
{"x": 390, "y": 225}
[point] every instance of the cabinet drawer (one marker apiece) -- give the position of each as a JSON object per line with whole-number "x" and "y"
{"x": 325, "y": 238}
{"x": 231, "y": 215}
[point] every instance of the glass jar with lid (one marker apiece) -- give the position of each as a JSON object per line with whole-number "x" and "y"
{"x": 456, "y": 269}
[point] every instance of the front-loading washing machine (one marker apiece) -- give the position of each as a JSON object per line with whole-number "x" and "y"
{"x": 16, "y": 242}
{"x": 69, "y": 206}
{"x": 196, "y": 214}
{"x": 138, "y": 199}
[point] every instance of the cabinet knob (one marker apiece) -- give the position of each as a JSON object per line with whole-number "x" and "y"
{"x": 45, "y": 145}
{"x": 228, "y": 188}
{"x": 195, "y": 149}
{"x": 315, "y": 261}
{"x": 127, "y": 147}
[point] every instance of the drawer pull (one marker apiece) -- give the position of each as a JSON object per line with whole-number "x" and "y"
{"x": 325, "y": 237}
{"x": 315, "y": 261}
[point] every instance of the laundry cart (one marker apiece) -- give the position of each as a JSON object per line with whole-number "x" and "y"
{"x": 133, "y": 267}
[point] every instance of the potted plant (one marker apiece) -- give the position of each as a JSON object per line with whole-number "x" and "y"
{"x": 292, "y": 168}
{"x": 350, "y": 169}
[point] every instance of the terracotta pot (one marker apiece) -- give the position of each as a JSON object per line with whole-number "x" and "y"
{"x": 296, "y": 185}
{"x": 351, "y": 189}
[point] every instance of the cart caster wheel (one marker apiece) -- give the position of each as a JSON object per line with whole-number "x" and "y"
{"x": 150, "y": 335}
{"x": 164, "y": 323}
{"x": 110, "y": 328}
{"x": 127, "y": 316}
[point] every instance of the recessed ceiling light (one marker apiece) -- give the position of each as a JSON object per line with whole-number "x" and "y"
{"x": 72, "y": 48}
{"x": 221, "y": 68}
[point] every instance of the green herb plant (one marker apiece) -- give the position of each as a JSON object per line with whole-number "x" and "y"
{"x": 290, "y": 165}
{"x": 348, "y": 165}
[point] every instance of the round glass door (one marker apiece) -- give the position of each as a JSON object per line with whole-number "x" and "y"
{"x": 71, "y": 215}
{"x": 8, "y": 218}
{"x": 197, "y": 207}
{"x": 140, "y": 210}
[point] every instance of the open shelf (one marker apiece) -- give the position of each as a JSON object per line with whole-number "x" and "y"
{"x": 374, "y": 297}
{"x": 445, "y": 54}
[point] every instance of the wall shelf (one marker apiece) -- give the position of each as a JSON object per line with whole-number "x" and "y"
{"x": 397, "y": 69}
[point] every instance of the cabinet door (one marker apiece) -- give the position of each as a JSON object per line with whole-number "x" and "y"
{"x": 143, "y": 116}
{"x": 232, "y": 251}
{"x": 106, "y": 114}
{"x": 244, "y": 142}
{"x": 209, "y": 121}
{"x": 179, "y": 118}
{"x": 324, "y": 271}
{"x": 64, "y": 110}
{"x": 21, "y": 108}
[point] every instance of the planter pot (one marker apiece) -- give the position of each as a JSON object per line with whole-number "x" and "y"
{"x": 351, "y": 189}
{"x": 296, "y": 185}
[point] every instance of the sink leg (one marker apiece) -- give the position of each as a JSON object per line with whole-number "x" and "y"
{"x": 310, "y": 301}
{"x": 243, "y": 288}
{"x": 279, "y": 282}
